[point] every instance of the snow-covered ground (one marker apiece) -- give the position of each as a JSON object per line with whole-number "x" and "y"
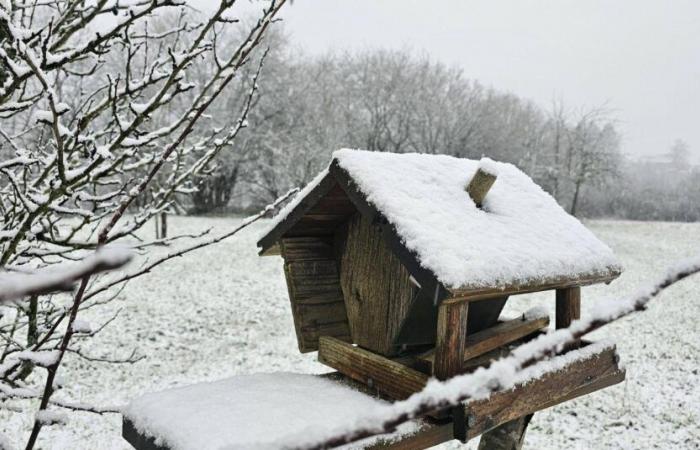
{"x": 224, "y": 311}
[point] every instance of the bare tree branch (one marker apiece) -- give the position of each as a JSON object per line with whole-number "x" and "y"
{"x": 14, "y": 285}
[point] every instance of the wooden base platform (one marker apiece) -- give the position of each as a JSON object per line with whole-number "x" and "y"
{"x": 374, "y": 375}
{"x": 595, "y": 370}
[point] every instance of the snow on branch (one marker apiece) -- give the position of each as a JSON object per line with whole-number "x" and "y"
{"x": 502, "y": 374}
{"x": 109, "y": 125}
{"x": 15, "y": 285}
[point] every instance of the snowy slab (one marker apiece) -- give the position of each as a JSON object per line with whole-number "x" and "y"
{"x": 259, "y": 411}
{"x": 520, "y": 236}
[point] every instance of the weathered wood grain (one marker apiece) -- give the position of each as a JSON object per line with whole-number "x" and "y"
{"x": 578, "y": 378}
{"x": 315, "y": 296}
{"x": 568, "y": 306}
{"x": 376, "y": 286}
{"x": 501, "y": 334}
{"x": 471, "y": 294}
{"x": 479, "y": 186}
{"x": 451, "y": 340}
{"x": 308, "y": 248}
{"x": 430, "y": 435}
{"x": 492, "y": 338}
{"x": 387, "y": 377}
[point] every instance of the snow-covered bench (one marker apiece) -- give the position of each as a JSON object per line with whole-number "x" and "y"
{"x": 286, "y": 410}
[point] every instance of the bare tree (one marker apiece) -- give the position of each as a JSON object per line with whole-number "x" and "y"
{"x": 103, "y": 128}
{"x": 679, "y": 155}
{"x": 400, "y": 102}
{"x": 592, "y": 152}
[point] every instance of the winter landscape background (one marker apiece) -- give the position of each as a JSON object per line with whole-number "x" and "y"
{"x": 225, "y": 311}
{"x": 159, "y": 137}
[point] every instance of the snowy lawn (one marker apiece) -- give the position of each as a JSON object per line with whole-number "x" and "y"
{"x": 224, "y": 311}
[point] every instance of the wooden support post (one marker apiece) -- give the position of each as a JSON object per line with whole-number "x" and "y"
{"x": 509, "y": 436}
{"x": 163, "y": 225}
{"x": 492, "y": 338}
{"x": 451, "y": 340}
{"x": 568, "y": 306}
{"x": 450, "y": 344}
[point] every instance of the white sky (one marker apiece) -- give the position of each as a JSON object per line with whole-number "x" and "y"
{"x": 640, "y": 57}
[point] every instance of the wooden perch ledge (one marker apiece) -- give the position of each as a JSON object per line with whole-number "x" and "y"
{"x": 494, "y": 337}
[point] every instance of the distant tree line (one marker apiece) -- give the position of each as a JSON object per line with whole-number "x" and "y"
{"x": 397, "y": 101}
{"x": 665, "y": 188}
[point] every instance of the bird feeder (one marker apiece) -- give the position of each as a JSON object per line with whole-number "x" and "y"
{"x": 398, "y": 267}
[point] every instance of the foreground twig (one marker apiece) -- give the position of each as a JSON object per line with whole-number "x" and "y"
{"x": 500, "y": 375}
{"x": 80, "y": 297}
{"x": 18, "y": 285}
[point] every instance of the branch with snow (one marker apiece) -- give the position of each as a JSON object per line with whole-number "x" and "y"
{"x": 15, "y": 285}
{"x": 502, "y": 374}
{"x": 106, "y": 125}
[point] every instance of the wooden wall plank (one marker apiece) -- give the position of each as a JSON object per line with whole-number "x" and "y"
{"x": 313, "y": 283}
{"x": 308, "y": 248}
{"x": 376, "y": 286}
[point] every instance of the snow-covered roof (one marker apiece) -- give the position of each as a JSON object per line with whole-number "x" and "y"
{"x": 520, "y": 236}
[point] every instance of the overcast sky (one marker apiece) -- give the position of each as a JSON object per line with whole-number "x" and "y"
{"x": 641, "y": 58}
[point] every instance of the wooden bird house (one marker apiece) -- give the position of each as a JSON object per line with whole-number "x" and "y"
{"x": 376, "y": 243}
{"x": 398, "y": 267}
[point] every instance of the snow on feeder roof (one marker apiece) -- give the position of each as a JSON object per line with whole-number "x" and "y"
{"x": 520, "y": 239}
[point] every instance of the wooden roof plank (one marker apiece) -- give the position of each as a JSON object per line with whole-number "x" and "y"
{"x": 268, "y": 243}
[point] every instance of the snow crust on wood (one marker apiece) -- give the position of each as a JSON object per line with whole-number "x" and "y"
{"x": 537, "y": 312}
{"x": 259, "y": 411}
{"x": 294, "y": 202}
{"x": 521, "y": 234}
{"x": 489, "y": 166}
{"x": 49, "y": 417}
{"x": 476, "y": 385}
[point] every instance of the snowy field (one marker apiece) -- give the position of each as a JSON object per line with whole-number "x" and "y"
{"x": 224, "y": 311}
